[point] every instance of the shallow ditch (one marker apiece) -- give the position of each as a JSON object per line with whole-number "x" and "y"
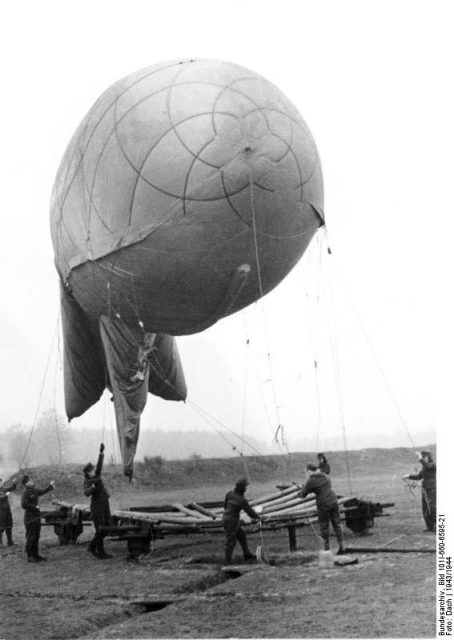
{"x": 144, "y": 604}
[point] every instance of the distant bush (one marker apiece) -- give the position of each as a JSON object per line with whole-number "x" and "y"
{"x": 151, "y": 464}
{"x": 193, "y": 464}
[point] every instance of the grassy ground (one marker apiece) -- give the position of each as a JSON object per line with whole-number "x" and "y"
{"x": 180, "y": 591}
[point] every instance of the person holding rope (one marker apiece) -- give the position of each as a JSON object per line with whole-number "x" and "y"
{"x": 6, "y": 517}
{"x": 99, "y": 505}
{"x": 234, "y": 503}
{"x": 32, "y": 516}
{"x": 428, "y": 487}
{"x": 327, "y": 505}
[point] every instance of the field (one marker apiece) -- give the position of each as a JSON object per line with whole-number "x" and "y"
{"x": 179, "y": 590}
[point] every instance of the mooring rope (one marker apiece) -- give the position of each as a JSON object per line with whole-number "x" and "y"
{"x": 55, "y": 333}
{"x": 337, "y": 374}
{"x": 375, "y": 358}
{"x": 262, "y": 306}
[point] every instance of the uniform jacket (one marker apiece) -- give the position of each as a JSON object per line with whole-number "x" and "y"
{"x": 234, "y": 502}
{"x": 94, "y": 486}
{"x": 324, "y": 467}
{"x": 320, "y": 484}
{"x": 5, "y": 509}
{"x": 29, "y": 501}
{"x": 4, "y": 502}
{"x": 427, "y": 474}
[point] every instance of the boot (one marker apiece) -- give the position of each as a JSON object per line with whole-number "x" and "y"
{"x": 247, "y": 555}
{"x": 340, "y": 542}
{"x": 228, "y": 557}
{"x": 102, "y": 555}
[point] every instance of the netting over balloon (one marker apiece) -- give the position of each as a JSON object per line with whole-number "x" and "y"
{"x": 188, "y": 191}
{"x": 201, "y": 155}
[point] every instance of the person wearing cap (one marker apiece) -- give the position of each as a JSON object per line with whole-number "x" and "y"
{"x": 327, "y": 506}
{"x": 32, "y": 517}
{"x": 99, "y": 505}
{"x": 323, "y": 463}
{"x": 6, "y": 517}
{"x": 428, "y": 475}
{"x": 234, "y": 503}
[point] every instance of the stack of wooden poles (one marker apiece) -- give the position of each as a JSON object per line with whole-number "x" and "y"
{"x": 174, "y": 518}
{"x": 287, "y": 505}
{"x": 284, "y": 506}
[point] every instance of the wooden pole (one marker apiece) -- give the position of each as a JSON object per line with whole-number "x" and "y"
{"x": 191, "y": 512}
{"x": 274, "y": 496}
{"x": 206, "y": 512}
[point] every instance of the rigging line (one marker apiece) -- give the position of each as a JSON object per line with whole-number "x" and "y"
{"x": 111, "y": 429}
{"x": 104, "y": 411}
{"x": 335, "y": 354}
{"x": 54, "y": 396}
{"x": 374, "y": 355}
{"x": 110, "y": 306}
{"x": 208, "y": 415}
{"x": 207, "y": 419}
{"x": 136, "y": 305}
{"x": 316, "y": 344}
{"x": 260, "y": 388}
{"x": 115, "y": 456}
{"x": 192, "y": 403}
{"x": 259, "y": 275}
{"x": 246, "y": 380}
{"x": 231, "y": 445}
{"x": 41, "y": 391}
{"x": 313, "y": 308}
{"x": 211, "y": 417}
{"x": 106, "y": 374}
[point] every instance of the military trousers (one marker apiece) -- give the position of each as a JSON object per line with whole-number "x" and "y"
{"x": 234, "y": 533}
{"x": 100, "y": 513}
{"x": 325, "y": 516}
{"x": 9, "y": 535}
{"x": 32, "y": 535}
{"x": 429, "y": 507}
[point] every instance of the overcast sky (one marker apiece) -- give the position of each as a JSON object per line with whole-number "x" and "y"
{"x": 373, "y": 81}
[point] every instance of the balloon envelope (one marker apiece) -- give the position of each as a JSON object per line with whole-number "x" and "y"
{"x": 189, "y": 190}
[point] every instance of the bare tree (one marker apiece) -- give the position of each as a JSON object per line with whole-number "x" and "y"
{"x": 51, "y": 437}
{"x": 17, "y": 439}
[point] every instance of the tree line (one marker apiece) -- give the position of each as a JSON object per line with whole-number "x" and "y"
{"x": 54, "y": 441}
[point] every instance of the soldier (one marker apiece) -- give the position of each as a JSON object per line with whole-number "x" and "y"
{"x": 6, "y": 518}
{"x": 327, "y": 505}
{"x": 428, "y": 475}
{"x": 323, "y": 463}
{"x": 32, "y": 517}
{"x": 233, "y": 504}
{"x": 99, "y": 505}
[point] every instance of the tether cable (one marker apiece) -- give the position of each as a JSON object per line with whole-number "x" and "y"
{"x": 259, "y": 276}
{"x": 41, "y": 392}
{"x": 375, "y": 357}
{"x": 336, "y": 365}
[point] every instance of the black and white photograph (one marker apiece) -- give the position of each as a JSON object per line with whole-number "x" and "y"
{"x": 225, "y": 354}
